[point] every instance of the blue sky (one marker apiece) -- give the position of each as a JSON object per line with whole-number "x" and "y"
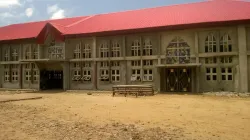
{"x": 18, "y": 11}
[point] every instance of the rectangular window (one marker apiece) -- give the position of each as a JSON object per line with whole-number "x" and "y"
{"x": 14, "y": 55}
{"x": 86, "y": 75}
{"x": 104, "y": 75}
{"x": 136, "y": 48}
{"x": 76, "y": 75}
{"x": 115, "y": 64}
{"x": 6, "y": 73}
{"x": 56, "y": 52}
{"x": 76, "y": 65}
{"x": 36, "y": 75}
{"x": 77, "y": 52}
{"x": 211, "y": 74}
{"x": 104, "y": 64}
{"x": 115, "y": 75}
{"x": 104, "y": 50}
{"x": 27, "y": 53}
{"x": 86, "y": 51}
{"x": 226, "y": 60}
{"x": 6, "y": 55}
{"x": 147, "y": 48}
{"x": 136, "y": 75}
{"x": 136, "y": 63}
{"x": 147, "y": 62}
{"x": 226, "y": 74}
{"x": 211, "y": 60}
{"x": 35, "y": 52}
{"x": 27, "y": 75}
{"x": 147, "y": 75}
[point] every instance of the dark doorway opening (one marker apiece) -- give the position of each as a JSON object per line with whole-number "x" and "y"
{"x": 178, "y": 80}
{"x": 51, "y": 80}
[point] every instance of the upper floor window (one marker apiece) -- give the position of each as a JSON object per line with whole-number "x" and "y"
{"x": 35, "y": 52}
{"x": 115, "y": 49}
{"x": 77, "y": 52}
{"x": 86, "y": 51}
{"x": 178, "y": 51}
{"x": 147, "y": 47}
{"x": 6, "y": 55}
{"x": 56, "y": 52}
{"x": 104, "y": 50}
{"x": 14, "y": 55}
{"x": 136, "y": 48}
{"x": 27, "y": 52}
{"x": 210, "y": 43}
{"x": 226, "y": 43}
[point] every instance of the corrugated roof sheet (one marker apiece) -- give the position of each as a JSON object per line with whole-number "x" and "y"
{"x": 192, "y": 13}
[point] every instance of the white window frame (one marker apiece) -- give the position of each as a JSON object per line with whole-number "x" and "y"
{"x": 6, "y": 55}
{"x": 226, "y": 59}
{"x": 27, "y": 75}
{"x": 115, "y": 49}
{"x": 136, "y": 63}
{"x": 210, "y": 44}
{"x": 104, "y": 75}
{"x": 104, "y": 50}
{"x": 148, "y": 76}
{"x": 147, "y": 48}
{"x": 211, "y": 74}
{"x": 211, "y": 60}
{"x": 147, "y": 62}
{"x": 136, "y": 74}
{"x": 86, "y": 51}
{"x": 136, "y": 48}
{"x": 115, "y": 75}
{"x": 227, "y": 73}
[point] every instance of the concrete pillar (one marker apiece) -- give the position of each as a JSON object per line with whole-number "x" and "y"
{"x": 242, "y": 44}
{"x": 124, "y": 54}
{"x": 94, "y": 74}
{"x": 197, "y": 69}
{"x": 66, "y": 76}
{"x": 1, "y": 75}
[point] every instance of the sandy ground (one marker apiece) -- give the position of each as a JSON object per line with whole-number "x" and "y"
{"x": 77, "y": 116}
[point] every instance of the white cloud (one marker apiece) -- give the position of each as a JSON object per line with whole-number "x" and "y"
{"x": 8, "y": 3}
{"x": 53, "y": 9}
{"x": 6, "y": 15}
{"x": 58, "y": 14}
{"x": 29, "y": 12}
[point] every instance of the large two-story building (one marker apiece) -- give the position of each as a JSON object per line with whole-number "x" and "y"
{"x": 193, "y": 47}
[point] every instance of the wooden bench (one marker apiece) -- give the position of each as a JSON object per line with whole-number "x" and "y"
{"x": 137, "y": 90}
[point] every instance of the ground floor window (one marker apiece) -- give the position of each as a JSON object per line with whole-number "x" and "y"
{"x": 28, "y": 75}
{"x": 35, "y": 75}
{"x": 6, "y": 76}
{"x": 136, "y": 75}
{"x": 226, "y": 74}
{"x": 104, "y": 75}
{"x": 76, "y": 75}
{"x": 147, "y": 75}
{"x": 211, "y": 74}
{"x": 86, "y": 75}
{"x": 14, "y": 76}
{"x": 115, "y": 75}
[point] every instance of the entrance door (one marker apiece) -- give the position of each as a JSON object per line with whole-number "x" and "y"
{"x": 51, "y": 80}
{"x": 178, "y": 80}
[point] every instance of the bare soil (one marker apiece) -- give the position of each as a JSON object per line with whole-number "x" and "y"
{"x": 78, "y": 116}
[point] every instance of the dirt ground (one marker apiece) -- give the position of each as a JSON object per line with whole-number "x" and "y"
{"x": 75, "y": 116}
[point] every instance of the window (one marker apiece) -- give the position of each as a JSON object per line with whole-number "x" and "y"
{"x": 226, "y": 44}
{"x": 211, "y": 60}
{"x": 136, "y": 63}
{"x": 7, "y": 73}
{"x": 136, "y": 75}
{"x": 56, "y": 52}
{"x": 27, "y": 52}
{"x": 136, "y": 48}
{"x": 86, "y": 51}
{"x": 147, "y": 47}
{"x": 104, "y": 50}
{"x": 77, "y": 75}
{"x": 77, "y": 52}
{"x": 115, "y": 64}
{"x": 147, "y": 62}
{"x": 226, "y": 60}
{"x": 14, "y": 55}
{"x": 226, "y": 74}
{"x": 210, "y": 43}
{"x": 35, "y": 52}
{"x": 36, "y": 75}
{"x": 147, "y": 75}
{"x": 104, "y": 75}
{"x": 86, "y": 64}
{"x": 76, "y": 65}
{"x": 178, "y": 51}
{"x": 115, "y": 75}
{"x": 104, "y": 64}
{"x": 28, "y": 75}
{"x": 6, "y": 55}
{"x": 86, "y": 75}
{"x": 14, "y": 71}
{"x": 211, "y": 74}
{"x": 115, "y": 49}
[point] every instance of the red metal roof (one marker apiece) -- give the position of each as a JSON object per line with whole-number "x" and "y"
{"x": 184, "y": 14}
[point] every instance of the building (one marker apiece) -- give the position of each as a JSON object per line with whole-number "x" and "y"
{"x": 193, "y": 47}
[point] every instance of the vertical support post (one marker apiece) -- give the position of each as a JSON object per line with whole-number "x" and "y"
{"x": 94, "y": 56}
{"x": 242, "y": 45}
{"x": 124, "y": 53}
{"x": 197, "y": 69}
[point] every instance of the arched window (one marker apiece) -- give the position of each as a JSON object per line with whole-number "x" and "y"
{"x": 27, "y": 52}
{"x": 77, "y": 51}
{"x": 210, "y": 43}
{"x": 178, "y": 51}
{"x": 147, "y": 47}
{"x": 225, "y": 43}
{"x": 86, "y": 51}
{"x": 6, "y": 55}
{"x": 35, "y": 52}
{"x": 136, "y": 48}
{"x": 115, "y": 49}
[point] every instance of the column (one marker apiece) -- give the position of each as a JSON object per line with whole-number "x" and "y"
{"x": 95, "y": 77}
{"x": 242, "y": 45}
{"x": 66, "y": 76}
{"x": 197, "y": 69}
